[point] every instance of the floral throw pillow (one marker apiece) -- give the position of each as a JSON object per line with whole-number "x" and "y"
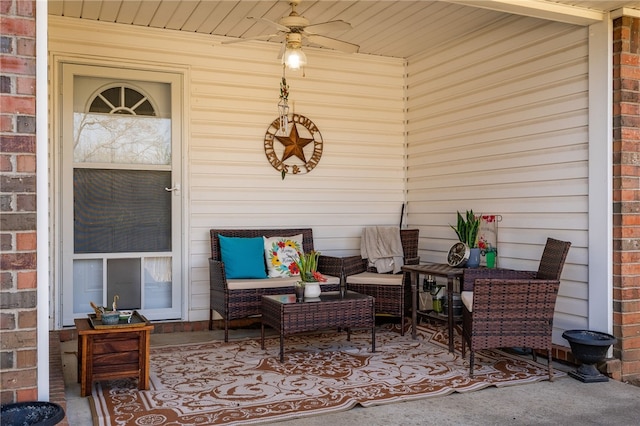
{"x": 280, "y": 253}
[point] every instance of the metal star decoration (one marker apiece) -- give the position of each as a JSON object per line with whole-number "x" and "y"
{"x": 294, "y": 144}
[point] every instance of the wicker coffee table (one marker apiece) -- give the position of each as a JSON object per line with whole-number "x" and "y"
{"x": 332, "y": 309}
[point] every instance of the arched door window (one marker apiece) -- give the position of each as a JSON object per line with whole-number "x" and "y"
{"x": 104, "y": 132}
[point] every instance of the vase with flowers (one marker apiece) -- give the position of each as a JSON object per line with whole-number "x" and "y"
{"x": 307, "y": 264}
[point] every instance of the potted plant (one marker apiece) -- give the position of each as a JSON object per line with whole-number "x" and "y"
{"x": 307, "y": 264}
{"x": 467, "y": 231}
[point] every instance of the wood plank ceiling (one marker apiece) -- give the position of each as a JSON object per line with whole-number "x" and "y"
{"x": 387, "y": 28}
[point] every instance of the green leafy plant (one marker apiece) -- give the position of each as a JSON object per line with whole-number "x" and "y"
{"x": 307, "y": 264}
{"x": 467, "y": 229}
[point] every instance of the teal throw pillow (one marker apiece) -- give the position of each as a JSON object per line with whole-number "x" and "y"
{"x": 243, "y": 257}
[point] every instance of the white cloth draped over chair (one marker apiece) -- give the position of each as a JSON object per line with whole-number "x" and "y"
{"x": 382, "y": 246}
{"x": 384, "y": 251}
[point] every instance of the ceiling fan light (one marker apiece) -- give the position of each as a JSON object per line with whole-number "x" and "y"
{"x": 294, "y": 58}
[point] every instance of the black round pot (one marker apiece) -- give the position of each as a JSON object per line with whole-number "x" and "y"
{"x": 589, "y": 347}
{"x": 32, "y": 413}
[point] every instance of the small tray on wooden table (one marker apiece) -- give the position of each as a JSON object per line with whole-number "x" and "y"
{"x": 137, "y": 320}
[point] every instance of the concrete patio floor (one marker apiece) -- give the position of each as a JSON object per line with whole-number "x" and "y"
{"x": 564, "y": 401}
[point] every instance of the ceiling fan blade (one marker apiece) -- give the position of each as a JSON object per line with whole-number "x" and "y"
{"x": 260, "y": 37}
{"x": 271, "y": 23}
{"x": 326, "y": 27}
{"x": 333, "y": 43}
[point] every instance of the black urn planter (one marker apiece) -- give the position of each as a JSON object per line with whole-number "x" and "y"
{"x": 589, "y": 347}
{"x": 32, "y": 413}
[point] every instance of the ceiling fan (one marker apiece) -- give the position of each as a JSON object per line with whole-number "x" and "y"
{"x": 295, "y": 28}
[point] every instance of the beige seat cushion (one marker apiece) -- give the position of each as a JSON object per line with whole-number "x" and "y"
{"x": 467, "y": 300}
{"x": 248, "y": 284}
{"x": 375, "y": 278}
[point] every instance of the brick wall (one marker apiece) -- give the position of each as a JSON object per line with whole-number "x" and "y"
{"x": 18, "y": 351}
{"x": 626, "y": 195}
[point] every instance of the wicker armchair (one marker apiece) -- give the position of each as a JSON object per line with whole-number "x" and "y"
{"x": 506, "y": 308}
{"x": 392, "y": 293}
{"x": 234, "y": 304}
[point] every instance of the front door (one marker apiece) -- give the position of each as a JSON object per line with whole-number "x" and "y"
{"x": 120, "y": 192}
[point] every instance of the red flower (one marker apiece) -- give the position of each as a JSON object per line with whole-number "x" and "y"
{"x": 319, "y": 277}
{"x": 281, "y": 244}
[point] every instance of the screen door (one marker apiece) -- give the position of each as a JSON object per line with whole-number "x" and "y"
{"x": 121, "y": 199}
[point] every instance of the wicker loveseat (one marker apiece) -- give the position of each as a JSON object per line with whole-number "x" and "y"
{"x": 242, "y": 298}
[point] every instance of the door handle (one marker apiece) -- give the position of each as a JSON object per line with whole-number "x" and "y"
{"x": 175, "y": 187}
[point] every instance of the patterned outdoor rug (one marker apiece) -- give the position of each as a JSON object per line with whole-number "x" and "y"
{"x": 238, "y": 383}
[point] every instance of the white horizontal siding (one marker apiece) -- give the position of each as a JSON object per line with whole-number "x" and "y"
{"x": 231, "y": 96}
{"x": 498, "y": 123}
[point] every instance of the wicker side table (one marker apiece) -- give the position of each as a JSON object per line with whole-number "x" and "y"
{"x": 440, "y": 270}
{"x": 332, "y": 309}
